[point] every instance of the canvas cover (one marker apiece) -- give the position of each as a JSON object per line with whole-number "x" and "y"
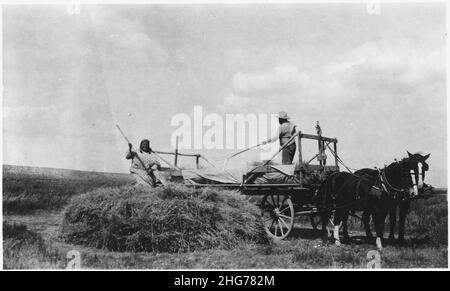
{"x": 280, "y": 174}
{"x": 212, "y": 176}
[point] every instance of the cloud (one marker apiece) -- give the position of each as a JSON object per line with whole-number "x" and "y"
{"x": 391, "y": 66}
{"x": 29, "y": 120}
{"x": 135, "y": 43}
{"x": 234, "y": 103}
{"x": 361, "y": 81}
{"x": 282, "y": 80}
{"x": 125, "y": 39}
{"x": 369, "y": 74}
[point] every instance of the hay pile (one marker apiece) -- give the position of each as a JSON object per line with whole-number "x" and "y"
{"x": 173, "y": 219}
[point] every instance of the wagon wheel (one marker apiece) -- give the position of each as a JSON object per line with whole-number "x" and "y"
{"x": 278, "y": 215}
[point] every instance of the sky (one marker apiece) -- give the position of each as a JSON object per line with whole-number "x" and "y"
{"x": 376, "y": 82}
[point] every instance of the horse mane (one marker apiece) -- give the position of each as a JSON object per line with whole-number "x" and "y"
{"x": 407, "y": 159}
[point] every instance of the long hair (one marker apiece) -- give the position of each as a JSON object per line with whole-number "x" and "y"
{"x": 142, "y": 143}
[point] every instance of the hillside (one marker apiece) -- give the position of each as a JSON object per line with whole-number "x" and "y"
{"x": 12, "y": 172}
{"x": 27, "y": 189}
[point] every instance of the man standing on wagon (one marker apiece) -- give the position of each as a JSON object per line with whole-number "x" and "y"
{"x": 144, "y": 164}
{"x": 286, "y": 130}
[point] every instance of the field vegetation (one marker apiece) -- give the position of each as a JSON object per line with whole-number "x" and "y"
{"x": 27, "y": 189}
{"x": 173, "y": 219}
{"x": 118, "y": 218}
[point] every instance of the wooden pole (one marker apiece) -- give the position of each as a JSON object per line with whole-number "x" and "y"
{"x": 335, "y": 153}
{"x": 176, "y": 152}
{"x": 300, "y": 161}
{"x": 320, "y": 150}
{"x": 300, "y": 158}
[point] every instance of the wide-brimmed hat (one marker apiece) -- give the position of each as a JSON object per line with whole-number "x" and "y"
{"x": 283, "y": 115}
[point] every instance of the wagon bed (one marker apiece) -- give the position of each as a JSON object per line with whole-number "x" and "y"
{"x": 282, "y": 202}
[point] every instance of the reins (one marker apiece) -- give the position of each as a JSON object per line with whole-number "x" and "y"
{"x": 383, "y": 177}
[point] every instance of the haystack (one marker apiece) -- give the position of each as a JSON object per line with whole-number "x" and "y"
{"x": 172, "y": 219}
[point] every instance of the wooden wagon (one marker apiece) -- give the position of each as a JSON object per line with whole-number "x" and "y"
{"x": 282, "y": 202}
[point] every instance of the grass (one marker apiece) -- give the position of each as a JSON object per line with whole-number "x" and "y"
{"x": 293, "y": 253}
{"x": 25, "y": 249}
{"x": 27, "y": 189}
{"x": 173, "y": 219}
{"x": 36, "y": 244}
{"x": 290, "y": 254}
{"x": 428, "y": 220}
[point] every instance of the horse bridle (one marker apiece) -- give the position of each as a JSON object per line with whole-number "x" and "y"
{"x": 384, "y": 180}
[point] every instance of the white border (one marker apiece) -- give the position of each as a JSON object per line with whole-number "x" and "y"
{"x": 234, "y": 2}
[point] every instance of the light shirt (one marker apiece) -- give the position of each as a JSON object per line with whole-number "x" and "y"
{"x": 286, "y": 131}
{"x": 149, "y": 160}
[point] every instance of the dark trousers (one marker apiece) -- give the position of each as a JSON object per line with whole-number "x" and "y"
{"x": 288, "y": 154}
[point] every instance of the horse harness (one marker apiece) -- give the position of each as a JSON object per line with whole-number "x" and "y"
{"x": 385, "y": 185}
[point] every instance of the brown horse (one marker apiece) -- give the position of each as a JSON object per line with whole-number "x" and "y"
{"x": 343, "y": 193}
{"x": 372, "y": 193}
{"x": 400, "y": 199}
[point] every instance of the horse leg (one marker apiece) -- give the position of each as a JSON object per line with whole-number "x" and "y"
{"x": 366, "y": 222}
{"x": 392, "y": 220}
{"x": 345, "y": 227}
{"x": 324, "y": 219}
{"x": 338, "y": 215}
{"x": 403, "y": 211}
{"x": 379, "y": 228}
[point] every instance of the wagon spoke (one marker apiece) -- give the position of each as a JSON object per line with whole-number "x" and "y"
{"x": 273, "y": 221}
{"x": 287, "y": 217}
{"x": 279, "y": 210}
{"x": 285, "y": 224}
{"x": 284, "y": 209}
{"x": 281, "y": 228}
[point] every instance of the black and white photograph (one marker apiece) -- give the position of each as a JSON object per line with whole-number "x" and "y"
{"x": 224, "y": 136}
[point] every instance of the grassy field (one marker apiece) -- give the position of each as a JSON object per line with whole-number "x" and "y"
{"x": 32, "y": 240}
{"x": 27, "y": 189}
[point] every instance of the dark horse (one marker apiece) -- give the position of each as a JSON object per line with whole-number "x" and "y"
{"x": 399, "y": 199}
{"x": 369, "y": 191}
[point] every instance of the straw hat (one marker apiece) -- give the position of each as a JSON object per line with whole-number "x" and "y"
{"x": 283, "y": 115}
